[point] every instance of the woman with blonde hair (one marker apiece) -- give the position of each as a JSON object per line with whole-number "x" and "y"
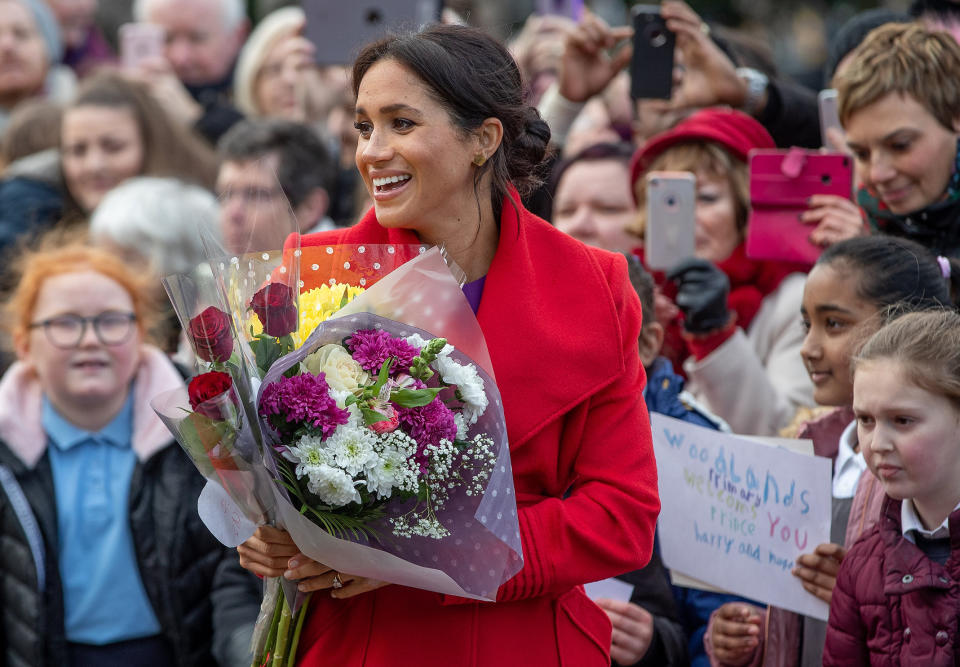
{"x": 899, "y": 103}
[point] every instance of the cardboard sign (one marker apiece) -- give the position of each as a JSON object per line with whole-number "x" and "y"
{"x": 736, "y": 513}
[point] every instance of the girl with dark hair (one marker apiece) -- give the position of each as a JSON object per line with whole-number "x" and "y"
{"x": 446, "y": 146}
{"x": 855, "y": 287}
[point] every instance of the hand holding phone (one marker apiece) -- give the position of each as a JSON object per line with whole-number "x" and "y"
{"x": 140, "y": 42}
{"x": 651, "y": 67}
{"x": 669, "y": 236}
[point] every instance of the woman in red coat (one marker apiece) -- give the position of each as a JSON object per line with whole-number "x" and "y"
{"x": 445, "y": 141}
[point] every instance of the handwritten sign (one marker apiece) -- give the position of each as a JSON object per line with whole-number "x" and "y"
{"x": 736, "y": 514}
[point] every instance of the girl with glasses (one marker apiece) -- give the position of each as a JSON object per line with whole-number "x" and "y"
{"x": 109, "y": 560}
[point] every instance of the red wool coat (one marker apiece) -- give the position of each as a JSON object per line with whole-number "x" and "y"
{"x": 561, "y": 322}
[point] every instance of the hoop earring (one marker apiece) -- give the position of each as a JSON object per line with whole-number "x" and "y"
{"x": 479, "y": 159}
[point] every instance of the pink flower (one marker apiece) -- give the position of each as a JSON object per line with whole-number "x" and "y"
{"x": 370, "y": 348}
{"x": 301, "y": 400}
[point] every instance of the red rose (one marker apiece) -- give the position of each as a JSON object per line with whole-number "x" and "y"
{"x": 208, "y": 393}
{"x": 274, "y": 306}
{"x": 211, "y": 335}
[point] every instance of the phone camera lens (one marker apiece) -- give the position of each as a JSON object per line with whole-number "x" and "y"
{"x": 374, "y": 17}
{"x": 657, "y": 36}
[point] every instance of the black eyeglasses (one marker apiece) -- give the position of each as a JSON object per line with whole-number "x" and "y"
{"x": 66, "y": 331}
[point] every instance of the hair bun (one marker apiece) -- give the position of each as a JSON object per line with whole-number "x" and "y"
{"x": 527, "y": 152}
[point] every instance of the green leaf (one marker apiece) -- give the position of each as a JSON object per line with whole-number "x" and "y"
{"x": 383, "y": 376}
{"x": 372, "y": 416}
{"x": 266, "y": 351}
{"x": 414, "y": 398}
{"x": 350, "y": 400}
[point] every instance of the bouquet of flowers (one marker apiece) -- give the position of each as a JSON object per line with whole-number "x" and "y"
{"x": 359, "y": 414}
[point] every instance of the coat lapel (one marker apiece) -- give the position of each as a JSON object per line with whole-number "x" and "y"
{"x": 550, "y": 323}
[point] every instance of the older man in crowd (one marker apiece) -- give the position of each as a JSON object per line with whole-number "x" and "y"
{"x": 203, "y": 38}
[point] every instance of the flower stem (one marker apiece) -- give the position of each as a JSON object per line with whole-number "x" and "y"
{"x": 295, "y": 642}
{"x": 283, "y": 635}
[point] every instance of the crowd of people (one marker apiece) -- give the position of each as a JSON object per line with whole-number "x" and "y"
{"x": 528, "y": 162}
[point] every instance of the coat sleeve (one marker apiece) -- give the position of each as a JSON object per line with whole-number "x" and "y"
{"x": 236, "y": 597}
{"x": 766, "y": 368}
{"x": 604, "y": 525}
{"x": 846, "y": 642}
{"x": 792, "y": 115}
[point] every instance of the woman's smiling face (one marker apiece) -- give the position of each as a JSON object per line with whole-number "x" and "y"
{"x": 902, "y": 152}
{"x": 417, "y": 165}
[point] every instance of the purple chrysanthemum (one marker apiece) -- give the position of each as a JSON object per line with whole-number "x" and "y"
{"x": 305, "y": 399}
{"x": 428, "y": 425}
{"x": 371, "y": 347}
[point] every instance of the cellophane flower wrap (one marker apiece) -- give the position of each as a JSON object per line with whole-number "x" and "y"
{"x": 363, "y": 414}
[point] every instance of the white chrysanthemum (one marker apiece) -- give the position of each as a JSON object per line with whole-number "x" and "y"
{"x": 382, "y": 476}
{"x": 469, "y": 385}
{"x": 309, "y": 453}
{"x": 394, "y": 467}
{"x": 352, "y": 448}
{"x": 333, "y": 486}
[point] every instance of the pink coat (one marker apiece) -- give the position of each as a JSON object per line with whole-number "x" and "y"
{"x": 561, "y": 322}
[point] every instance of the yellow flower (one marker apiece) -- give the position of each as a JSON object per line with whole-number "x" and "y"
{"x": 316, "y": 305}
{"x": 319, "y": 304}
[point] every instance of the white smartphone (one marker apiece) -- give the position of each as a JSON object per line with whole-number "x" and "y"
{"x": 830, "y": 119}
{"x": 671, "y": 218}
{"x": 140, "y": 42}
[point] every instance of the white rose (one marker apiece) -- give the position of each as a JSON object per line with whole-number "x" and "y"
{"x": 339, "y": 368}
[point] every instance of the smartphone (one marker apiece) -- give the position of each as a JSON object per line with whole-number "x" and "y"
{"x": 569, "y": 8}
{"x": 671, "y": 218}
{"x": 140, "y": 42}
{"x": 781, "y": 181}
{"x": 829, "y": 118}
{"x": 339, "y": 30}
{"x": 651, "y": 67}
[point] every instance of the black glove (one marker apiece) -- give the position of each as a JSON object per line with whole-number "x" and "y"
{"x": 702, "y": 291}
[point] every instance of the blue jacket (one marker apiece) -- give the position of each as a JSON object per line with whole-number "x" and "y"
{"x": 664, "y": 394}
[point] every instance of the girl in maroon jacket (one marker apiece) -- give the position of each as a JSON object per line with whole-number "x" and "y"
{"x": 898, "y": 589}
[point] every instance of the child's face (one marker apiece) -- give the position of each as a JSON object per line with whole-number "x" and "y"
{"x": 910, "y": 438}
{"x": 834, "y": 319}
{"x": 89, "y": 374}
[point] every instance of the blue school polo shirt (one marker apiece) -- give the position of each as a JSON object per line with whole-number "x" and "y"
{"x": 104, "y": 598}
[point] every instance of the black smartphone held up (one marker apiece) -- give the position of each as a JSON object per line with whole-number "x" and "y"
{"x": 339, "y": 30}
{"x": 651, "y": 68}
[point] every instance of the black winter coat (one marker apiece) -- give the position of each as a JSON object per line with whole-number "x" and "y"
{"x": 177, "y": 557}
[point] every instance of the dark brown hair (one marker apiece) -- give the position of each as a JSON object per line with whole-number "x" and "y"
{"x": 473, "y": 77}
